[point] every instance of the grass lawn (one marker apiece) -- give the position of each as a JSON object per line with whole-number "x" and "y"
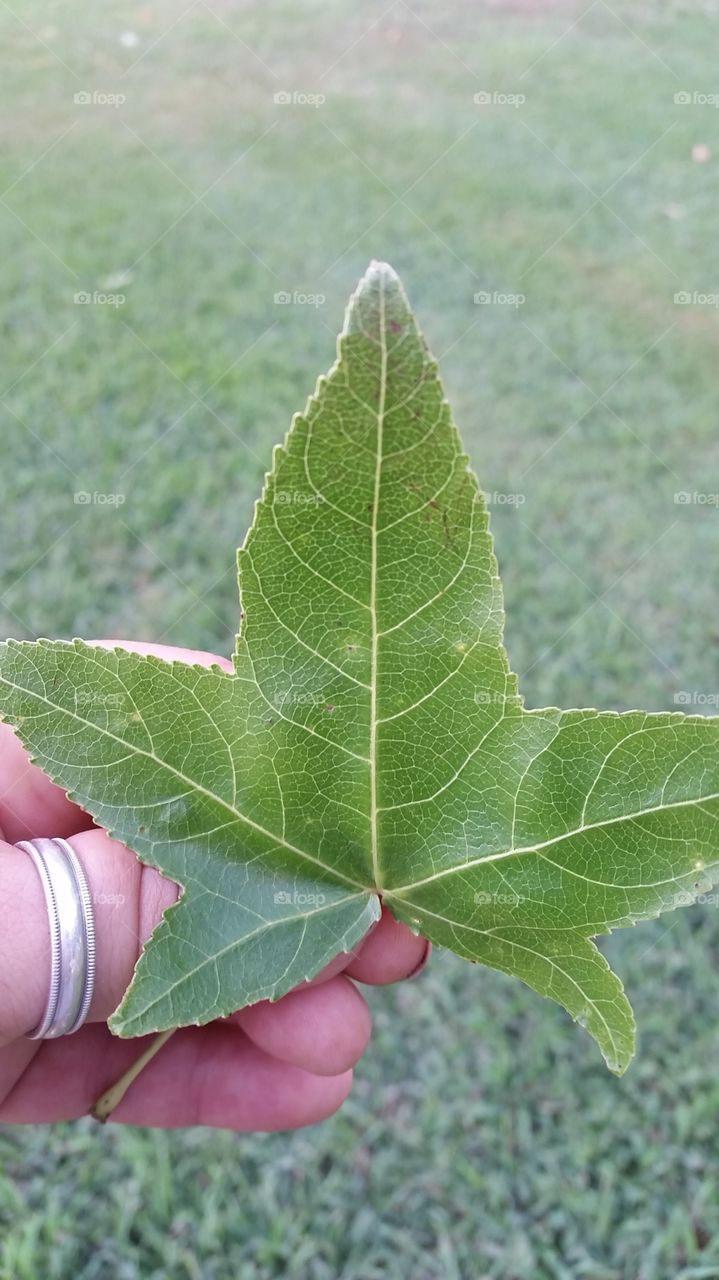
{"x": 484, "y": 1138}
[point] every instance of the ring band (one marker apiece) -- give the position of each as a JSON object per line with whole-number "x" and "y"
{"x": 72, "y": 937}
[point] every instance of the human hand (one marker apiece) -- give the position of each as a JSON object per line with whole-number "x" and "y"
{"x": 270, "y": 1066}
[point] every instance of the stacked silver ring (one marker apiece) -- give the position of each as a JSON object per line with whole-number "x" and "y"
{"x": 72, "y": 937}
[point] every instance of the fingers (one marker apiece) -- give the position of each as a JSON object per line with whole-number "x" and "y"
{"x": 324, "y": 1029}
{"x": 212, "y": 1076}
{"x": 30, "y": 804}
{"x": 195, "y": 657}
{"x": 389, "y": 954}
{"x": 24, "y": 945}
{"x": 128, "y": 901}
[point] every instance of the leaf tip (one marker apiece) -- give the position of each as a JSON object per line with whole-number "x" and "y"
{"x": 379, "y": 277}
{"x": 381, "y": 270}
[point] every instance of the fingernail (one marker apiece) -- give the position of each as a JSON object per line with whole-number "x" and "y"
{"x": 423, "y": 962}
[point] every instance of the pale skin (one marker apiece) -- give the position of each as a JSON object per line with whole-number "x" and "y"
{"x": 270, "y": 1066}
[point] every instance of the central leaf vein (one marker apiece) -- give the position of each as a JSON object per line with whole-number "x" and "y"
{"x": 373, "y": 588}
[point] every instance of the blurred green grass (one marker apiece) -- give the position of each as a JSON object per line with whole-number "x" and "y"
{"x": 483, "y": 1139}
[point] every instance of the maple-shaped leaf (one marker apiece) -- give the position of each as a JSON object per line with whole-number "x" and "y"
{"x": 371, "y": 744}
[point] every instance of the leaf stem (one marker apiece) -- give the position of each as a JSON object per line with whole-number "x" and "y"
{"x": 112, "y": 1097}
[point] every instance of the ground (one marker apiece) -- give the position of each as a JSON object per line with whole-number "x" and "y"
{"x": 484, "y": 1137}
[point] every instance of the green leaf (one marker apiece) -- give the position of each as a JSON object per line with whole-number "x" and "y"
{"x": 371, "y": 741}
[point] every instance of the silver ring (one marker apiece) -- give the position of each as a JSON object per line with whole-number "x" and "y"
{"x": 72, "y": 937}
